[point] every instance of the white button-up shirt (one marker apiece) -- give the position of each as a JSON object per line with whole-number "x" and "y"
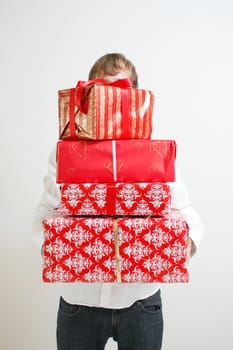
{"x": 110, "y": 295}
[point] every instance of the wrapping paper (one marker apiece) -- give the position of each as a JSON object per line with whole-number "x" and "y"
{"x": 112, "y": 112}
{"x": 126, "y": 250}
{"x": 116, "y": 161}
{"x": 137, "y": 199}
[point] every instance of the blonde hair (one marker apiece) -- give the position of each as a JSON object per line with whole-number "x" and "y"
{"x": 111, "y": 64}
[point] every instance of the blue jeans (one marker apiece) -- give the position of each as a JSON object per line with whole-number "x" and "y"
{"x": 138, "y": 327}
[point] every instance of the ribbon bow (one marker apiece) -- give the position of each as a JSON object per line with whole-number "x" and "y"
{"x": 83, "y": 88}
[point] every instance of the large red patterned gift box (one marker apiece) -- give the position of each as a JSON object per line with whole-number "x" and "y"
{"x": 123, "y": 250}
{"x": 137, "y": 199}
{"x": 116, "y": 161}
{"x": 98, "y": 110}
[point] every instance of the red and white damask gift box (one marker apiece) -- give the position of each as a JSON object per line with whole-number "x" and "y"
{"x": 136, "y": 199}
{"x": 116, "y": 161}
{"x": 99, "y": 110}
{"x": 126, "y": 250}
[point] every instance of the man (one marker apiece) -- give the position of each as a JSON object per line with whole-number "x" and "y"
{"x": 90, "y": 313}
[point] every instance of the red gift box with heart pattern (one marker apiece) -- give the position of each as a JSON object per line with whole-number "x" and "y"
{"x": 116, "y": 161}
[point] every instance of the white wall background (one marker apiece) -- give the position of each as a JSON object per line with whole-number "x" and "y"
{"x": 183, "y": 52}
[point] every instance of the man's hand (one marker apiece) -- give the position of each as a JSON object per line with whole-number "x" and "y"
{"x": 42, "y": 250}
{"x": 189, "y": 249}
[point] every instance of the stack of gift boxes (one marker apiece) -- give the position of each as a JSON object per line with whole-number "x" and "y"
{"x": 115, "y": 222}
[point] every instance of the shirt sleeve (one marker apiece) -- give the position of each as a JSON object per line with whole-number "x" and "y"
{"x": 180, "y": 200}
{"x": 49, "y": 201}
